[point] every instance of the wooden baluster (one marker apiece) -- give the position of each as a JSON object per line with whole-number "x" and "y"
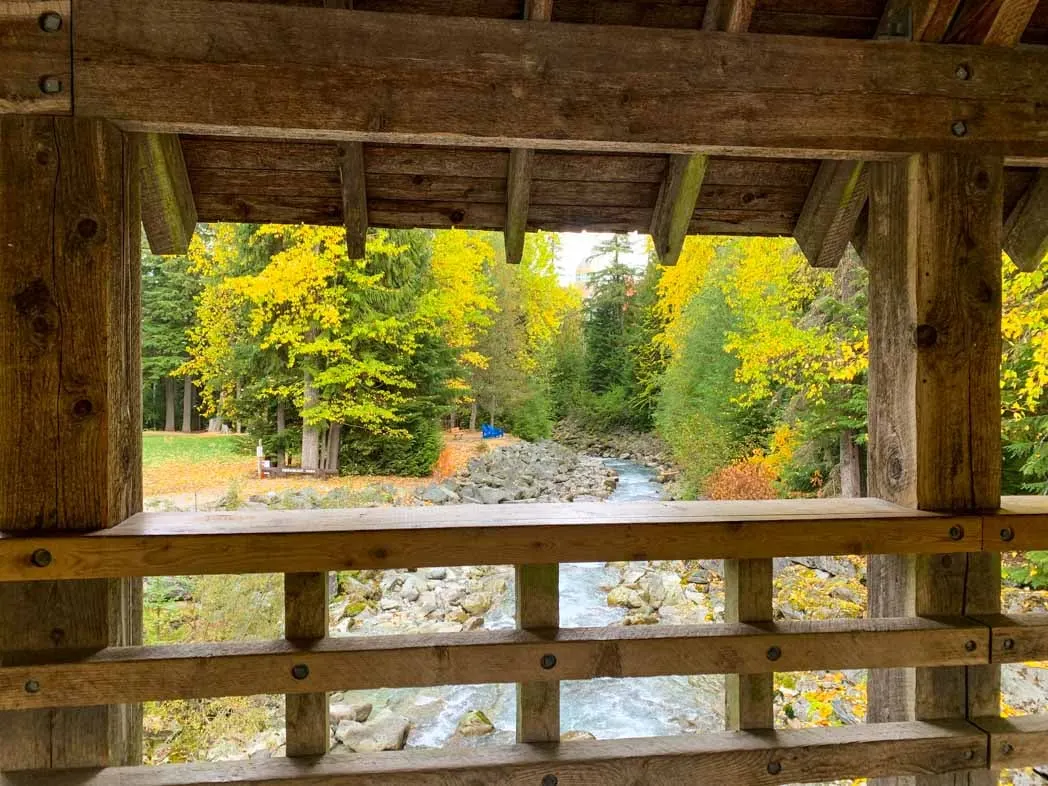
{"x": 306, "y": 619}
{"x": 538, "y": 606}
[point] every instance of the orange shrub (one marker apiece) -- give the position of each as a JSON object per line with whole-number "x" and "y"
{"x": 747, "y": 479}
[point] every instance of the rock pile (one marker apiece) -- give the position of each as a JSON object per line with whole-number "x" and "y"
{"x": 526, "y": 472}
{"x": 643, "y": 447}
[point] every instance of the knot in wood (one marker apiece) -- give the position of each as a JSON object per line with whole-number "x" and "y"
{"x": 926, "y": 336}
{"x": 87, "y": 228}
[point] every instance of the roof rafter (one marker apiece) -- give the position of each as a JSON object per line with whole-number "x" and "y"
{"x": 169, "y": 212}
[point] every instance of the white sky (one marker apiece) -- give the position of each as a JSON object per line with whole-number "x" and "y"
{"x": 576, "y": 246}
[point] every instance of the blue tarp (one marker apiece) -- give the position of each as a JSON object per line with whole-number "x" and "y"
{"x": 490, "y": 432}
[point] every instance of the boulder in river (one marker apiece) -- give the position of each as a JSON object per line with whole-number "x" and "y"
{"x": 383, "y": 732}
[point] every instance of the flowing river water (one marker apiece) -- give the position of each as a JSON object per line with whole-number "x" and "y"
{"x": 605, "y": 708}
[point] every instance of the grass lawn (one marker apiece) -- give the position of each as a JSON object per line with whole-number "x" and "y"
{"x": 160, "y": 447}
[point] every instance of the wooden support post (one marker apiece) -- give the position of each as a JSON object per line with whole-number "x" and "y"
{"x": 538, "y": 606}
{"x": 168, "y": 210}
{"x": 675, "y": 205}
{"x": 732, "y": 16}
{"x": 935, "y": 349}
{"x": 748, "y": 596}
{"x": 70, "y": 369}
{"x": 306, "y": 620}
{"x": 354, "y": 197}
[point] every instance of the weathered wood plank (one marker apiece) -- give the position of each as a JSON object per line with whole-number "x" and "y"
{"x": 305, "y": 621}
{"x": 827, "y": 221}
{"x": 538, "y": 607}
{"x": 748, "y": 598}
{"x": 801, "y": 755}
{"x": 1021, "y": 524}
{"x": 168, "y": 211}
{"x": 675, "y": 206}
{"x": 145, "y": 64}
{"x": 36, "y": 57}
{"x": 518, "y": 199}
{"x": 353, "y": 187}
{"x": 1016, "y": 742}
{"x": 991, "y": 22}
{"x": 731, "y": 16}
{"x": 1026, "y": 230}
{"x": 302, "y": 541}
{"x": 69, "y": 363}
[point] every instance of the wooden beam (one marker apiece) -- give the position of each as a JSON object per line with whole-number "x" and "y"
{"x": 827, "y": 221}
{"x": 1017, "y": 741}
{"x": 832, "y": 98}
{"x": 36, "y": 57}
{"x": 538, "y": 607}
{"x": 749, "y": 698}
{"x": 518, "y": 197}
{"x": 69, "y": 363}
{"x": 798, "y": 755}
{"x": 518, "y": 534}
{"x": 1026, "y": 230}
{"x": 354, "y": 197}
{"x": 990, "y": 22}
{"x": 675, "y": 206}
{"x": 305, "y": 622}
{"x": 1020, "y": 525}
{"x": 731, "y": 16}
{"x": 168, "y": 211}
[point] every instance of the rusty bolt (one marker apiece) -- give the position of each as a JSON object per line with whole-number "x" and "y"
{"x": 1007, "y": 534}
{"x": 50, "y": 22}
{"x": 970, "y": 645}
{"x": 1008, "y": 644}
{"x": 963, "y": 72}
{"x": 32, "y": 686}
{"x": 50, "y": 85}
{"x": 1006, "y": 748}
{"x": 959, "y": 128}
{"x": 41, "y": 558}
{"x": 549, "y": 780}
{"x": 774, "y": 653}
{"x": 956, "y": 532}
{"x": 969, "y": 754}
{"x": 774, "y": 768}
{"x": 548, "y": 661}
{"x": 300, "y": 671}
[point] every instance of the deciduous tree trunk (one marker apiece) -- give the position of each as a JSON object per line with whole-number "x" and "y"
{"x": 334, "y": 442}
{"x": 473, "y": 416}
{"x": 187, "y": 405}
{"x": 310, "y": 434}
{"x": 281, "y": 427}
{"x": 169, "y": 404}
{"x": 851, "y": 466}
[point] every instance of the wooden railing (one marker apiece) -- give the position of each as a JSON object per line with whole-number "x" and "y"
{"x": 537, "y": 656}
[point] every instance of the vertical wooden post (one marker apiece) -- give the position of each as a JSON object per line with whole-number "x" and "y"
{"x": 538, "y": 606}
{"x": 935, "y": 349}
{"x": 70, "y": 380}
{"x": 748, "y": 598}
{"x": 305, "y": 620}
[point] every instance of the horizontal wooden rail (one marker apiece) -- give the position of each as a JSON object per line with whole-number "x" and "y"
{"x": 159, "y": 544}
{"x": 124, "y": 675}
{"x": 1016, "y": 742}
{"x": 761, "y": 758}
{"x": 1017, "y": 637}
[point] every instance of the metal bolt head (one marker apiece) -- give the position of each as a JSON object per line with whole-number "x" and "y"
{"x": 959, "y": 128}
{"x": 32, "y": 686}
{"x": 50, "y": 85}
{"x": 969, "y": 754}
{"x": 41, "y": 558}
{"x": 548, "y": 661}
{"x": 1007, "y": 533}
{"x": 1008, "y": 644}
{"x": 774, "y": 653}
{"x": 956, "y": 532}
{"x": 963, "y": 72}
{"x": 1006, "y": 748}
{"x": 970, "y": 645}
{"x": 549, "y": 780}
{"x": 50, "y": 22}
{"x": 300, "y": 671}
{"x": 774, "y": 767}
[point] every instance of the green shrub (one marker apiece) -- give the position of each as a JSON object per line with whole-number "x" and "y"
{"x": 413, "y": 456}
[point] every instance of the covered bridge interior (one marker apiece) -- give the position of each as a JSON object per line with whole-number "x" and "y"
{"x": 915, "y": 129}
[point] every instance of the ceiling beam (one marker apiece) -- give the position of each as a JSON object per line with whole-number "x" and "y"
{"x": 283, "y": 70}
{"x": 354, "y": 197}
{"x": 168, "y": 209}
{"x": 827, "y": 221}
{"x": 675, "y": 205}
{"x": 1026, "y": 229}
{"x": 729, "y": 16}
{"x": 521, "y": 164}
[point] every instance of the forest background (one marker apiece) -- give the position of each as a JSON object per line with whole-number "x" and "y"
{"x": 750, "y": 364}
